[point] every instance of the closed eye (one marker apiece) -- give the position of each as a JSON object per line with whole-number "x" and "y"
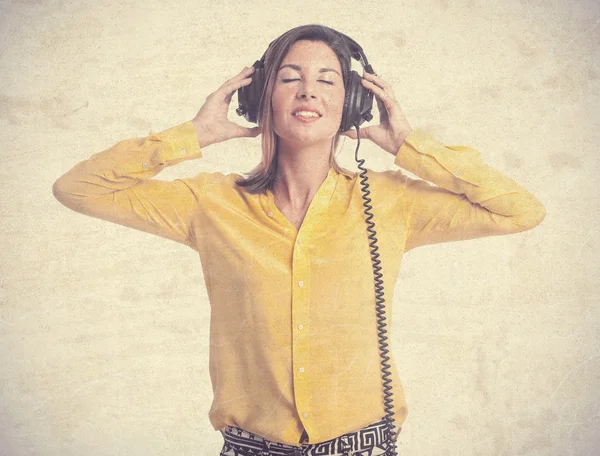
{"x": 289, "y": 80}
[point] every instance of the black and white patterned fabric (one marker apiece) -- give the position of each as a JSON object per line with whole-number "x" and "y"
{"x": 368, "y": 441}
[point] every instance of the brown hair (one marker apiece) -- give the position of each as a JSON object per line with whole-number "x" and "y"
{"x": 262, "y": 176}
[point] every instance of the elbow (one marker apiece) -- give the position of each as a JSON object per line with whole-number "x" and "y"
{"x": 533, "y": 217}
{"x": 60, "y": 191}
{"x": 57, "y": 190}
{"x": 63, "y": 192}
{"x": 541, "y": 214}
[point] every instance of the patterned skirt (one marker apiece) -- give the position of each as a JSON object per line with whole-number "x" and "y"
{"x": 369, "y": 441}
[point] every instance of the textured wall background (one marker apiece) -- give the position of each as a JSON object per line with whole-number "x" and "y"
{"x": 104, "y": 329}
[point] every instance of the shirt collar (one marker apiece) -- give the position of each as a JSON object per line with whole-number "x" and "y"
{"x": 317, "y": 208}
{"x": 345, "y": 172}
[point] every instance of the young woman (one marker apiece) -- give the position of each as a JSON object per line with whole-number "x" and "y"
{"x": 294, "y": 358}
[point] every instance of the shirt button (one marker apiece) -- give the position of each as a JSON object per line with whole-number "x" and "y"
{"x": 144, "y": 165}
{"x": 421, "y": 146}
{"x": 301, "y": 369}
{"x": 299, "y": 241}
{"x": 270, "y": 214}
{"x": 183, "y": 151}
{"x": 305, "y": 415}
{"x": 300, "y": 327}
{"x": 301, "y": 283}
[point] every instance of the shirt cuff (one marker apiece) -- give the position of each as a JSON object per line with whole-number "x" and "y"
{"x": 457, "y": 161}
{"x": 179, "y": 143}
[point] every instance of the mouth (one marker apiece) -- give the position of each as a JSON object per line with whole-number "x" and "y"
{"x": 306, "y": 115}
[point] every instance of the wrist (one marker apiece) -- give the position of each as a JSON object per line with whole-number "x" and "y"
{"x": 401, "y": 138}
{"x": 203, "y": 135}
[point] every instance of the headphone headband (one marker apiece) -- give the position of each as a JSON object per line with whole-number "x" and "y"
{"x": 358, "y": 100}
{"x": 356, "y": 52}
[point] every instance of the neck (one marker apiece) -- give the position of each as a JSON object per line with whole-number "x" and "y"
{"x": 301, "y": 169}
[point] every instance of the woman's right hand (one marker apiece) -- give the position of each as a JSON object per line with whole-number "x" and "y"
{"x": 211, "y": 122}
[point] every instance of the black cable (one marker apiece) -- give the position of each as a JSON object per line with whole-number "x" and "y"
{"x": 379, "y": 305}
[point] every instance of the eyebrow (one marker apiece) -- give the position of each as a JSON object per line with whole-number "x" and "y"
{"x": 296, "y": 67}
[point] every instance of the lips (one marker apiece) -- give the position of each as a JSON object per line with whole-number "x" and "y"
{"x": 308, "y": 109}
{"x": 306, "y": 119}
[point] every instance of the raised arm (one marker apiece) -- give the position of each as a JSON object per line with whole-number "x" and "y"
{"x": 470, "y": 199}
{"x": 116, "y": 184}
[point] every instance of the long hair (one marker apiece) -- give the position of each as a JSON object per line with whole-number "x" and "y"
{"x": 262, "y": 176}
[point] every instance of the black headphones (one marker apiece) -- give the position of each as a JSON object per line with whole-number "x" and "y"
{"x": 358, "y": 101}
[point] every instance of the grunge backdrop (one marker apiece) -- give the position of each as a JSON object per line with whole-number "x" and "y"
{"x": 104, "y": 330}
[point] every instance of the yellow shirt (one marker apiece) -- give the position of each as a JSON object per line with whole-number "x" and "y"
{"x": 293, "y": 332}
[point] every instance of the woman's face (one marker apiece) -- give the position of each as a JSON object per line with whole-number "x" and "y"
{"x": 310, "y": 76}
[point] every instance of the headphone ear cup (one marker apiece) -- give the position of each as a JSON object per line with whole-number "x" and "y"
{"x": 351, "y": 113}
{"x": 358, "y": 103}
{"x": 249, "y": 96}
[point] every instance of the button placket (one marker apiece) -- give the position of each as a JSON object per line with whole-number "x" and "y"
{"x": 300, "y": 348}
{"x": 301, "y": 301}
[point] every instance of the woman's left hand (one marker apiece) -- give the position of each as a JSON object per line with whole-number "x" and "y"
{"x": 393, "y": 127}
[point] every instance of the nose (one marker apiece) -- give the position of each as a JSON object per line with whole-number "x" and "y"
{"x": 305, "y": 90}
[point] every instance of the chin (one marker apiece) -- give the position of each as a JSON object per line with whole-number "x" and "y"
{"x": 308, "y": 140}
{"x": 308, "y": 137}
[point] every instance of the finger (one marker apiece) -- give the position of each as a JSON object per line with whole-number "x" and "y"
{"x": 251, "y": 132}
{"x": 364, "y": 133}
{"x": 234, "y": 83}
{"x": 377, "y": 80}
{"x": 245, "y": 132}
{"x": 233, "y": 88}
{"x": 388, "y": 101}
{"x": 383, "y": 113}
{"x": 247, "y": 71}
{"x": 387, "y": 88}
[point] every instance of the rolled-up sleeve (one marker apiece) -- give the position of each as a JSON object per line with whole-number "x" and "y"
{"x": 469, "y": 199}
{"x": 116, "y": 184}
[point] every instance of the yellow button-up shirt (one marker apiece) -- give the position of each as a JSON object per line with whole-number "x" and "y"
{"x": 293, "y": 332}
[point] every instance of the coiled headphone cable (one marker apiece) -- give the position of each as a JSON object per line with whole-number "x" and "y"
{"x": 379, "y": 304}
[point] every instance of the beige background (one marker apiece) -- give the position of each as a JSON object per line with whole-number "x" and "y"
{"x": 104, "y": 329}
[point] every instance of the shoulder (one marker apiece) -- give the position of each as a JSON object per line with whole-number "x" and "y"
{"x": 216, "y": 183}
{"x": 397, "y": 182}
{"x": 390, "y": 179}
{"x": 212, "y": 178}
